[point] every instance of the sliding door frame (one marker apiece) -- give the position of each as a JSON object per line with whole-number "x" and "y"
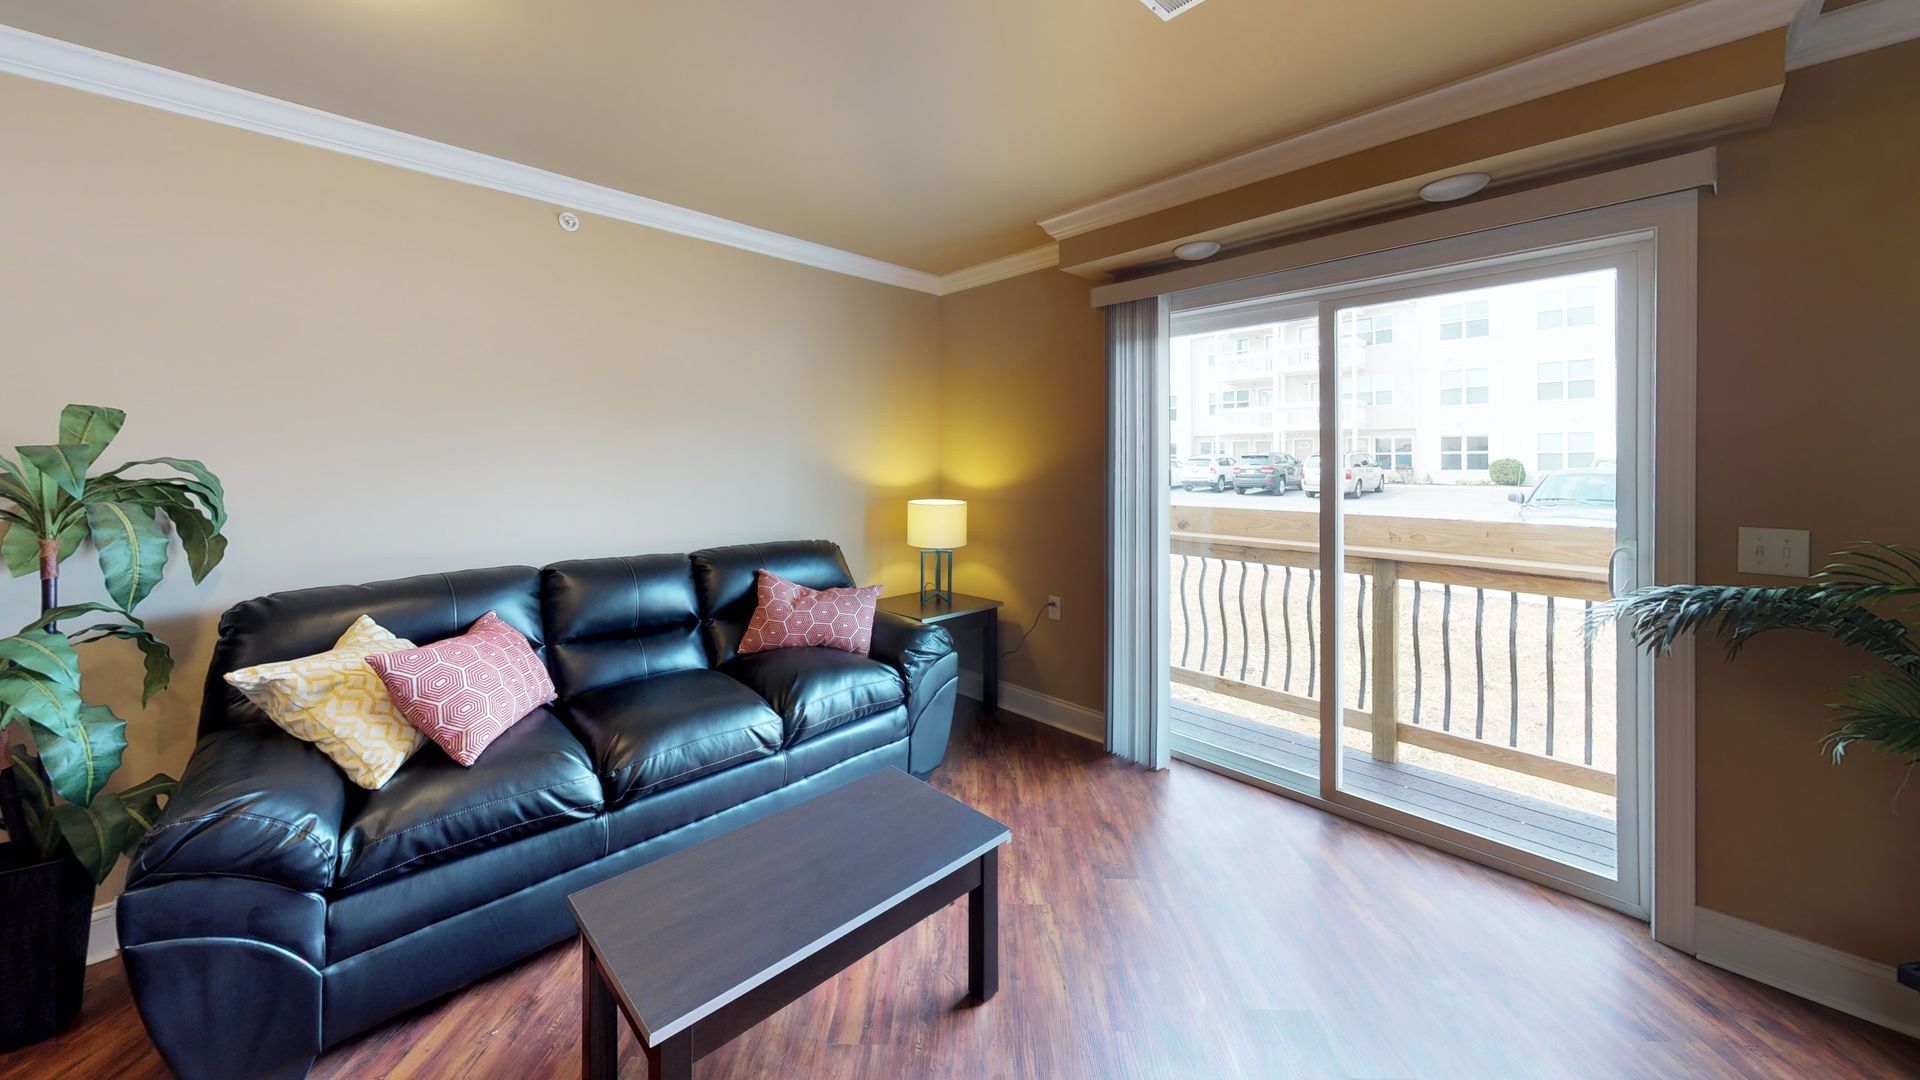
{"x": 1665, "y": 278}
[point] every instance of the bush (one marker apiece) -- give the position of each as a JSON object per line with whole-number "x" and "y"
{"x": 1507, "y": 472}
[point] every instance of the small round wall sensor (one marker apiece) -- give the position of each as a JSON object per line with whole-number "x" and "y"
{"x": 1196, "y": 250}
{"x": 1450, "y": 188}
{"x": 569, "y": 221}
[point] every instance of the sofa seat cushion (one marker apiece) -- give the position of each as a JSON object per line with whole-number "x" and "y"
{"x": 818, "y": 689}
{"x": 650, "y": 734}
{"x": 536, "y": 776}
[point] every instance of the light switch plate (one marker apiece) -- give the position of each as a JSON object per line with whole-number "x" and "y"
{"x": 1780, "y": 552}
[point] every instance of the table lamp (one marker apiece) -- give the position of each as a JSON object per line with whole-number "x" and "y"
{"x": 936, "y": 527}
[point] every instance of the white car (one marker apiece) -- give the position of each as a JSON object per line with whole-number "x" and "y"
{"x": 1207, "y": 471}
{"x": 1570, "y": 497}
{"x": 1360, "y": 476}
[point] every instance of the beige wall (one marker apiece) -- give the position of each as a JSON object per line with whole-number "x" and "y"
{"x": 1809, "y": 401}
{"x": 397, "y": 374}
{"x": 1023, "y": 440}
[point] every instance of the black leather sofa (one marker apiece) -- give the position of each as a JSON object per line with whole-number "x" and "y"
{"x": 276, "y": 909}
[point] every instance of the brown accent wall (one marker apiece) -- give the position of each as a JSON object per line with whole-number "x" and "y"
{"x": 397, "y": 374}
{"x": 1809, "y": 408}
{"x": 1810, "y": 404}
{"x": 1022, "y": 421}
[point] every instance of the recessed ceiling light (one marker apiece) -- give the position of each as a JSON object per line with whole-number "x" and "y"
{"x": 1449, "y": 188}
{"x": 1194, "y": 251}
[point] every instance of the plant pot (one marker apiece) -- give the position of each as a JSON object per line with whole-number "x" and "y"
{"x": 46, "y": 912}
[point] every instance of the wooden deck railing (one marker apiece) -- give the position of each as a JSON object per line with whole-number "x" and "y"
{"x": 1237, "y": 570}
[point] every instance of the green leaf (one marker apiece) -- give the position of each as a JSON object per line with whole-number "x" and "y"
{"x": 133, "y": 550}
{"x": 38, "y": 698}
{"x": 37, "y": 799}
{"x": 82, "y": 754}
{"x": 63, "y": 463}
{"x": 204, "y": 484}
{"x": 45, "y": 652}
{"x": 97, "y": 833}
{"x": 154, "y": 653}
{"x": 142, "y": 802}
{"x": 20, "y": 547}
{"x": 199, "y": 538}
{"x": 90, "y": 425}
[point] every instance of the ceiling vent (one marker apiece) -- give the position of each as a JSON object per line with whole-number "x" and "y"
{"x": 1167, "y": 9}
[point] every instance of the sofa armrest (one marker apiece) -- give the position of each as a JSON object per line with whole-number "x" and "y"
{"x": 255, "y": 802}
{"x": 915, "y": 650}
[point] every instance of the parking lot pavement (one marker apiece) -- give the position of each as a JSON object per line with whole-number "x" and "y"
{"x": 1456, "y": 503}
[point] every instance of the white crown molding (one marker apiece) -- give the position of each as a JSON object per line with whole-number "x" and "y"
{"x": 1818, "y": 38}
{"x": 1044, "y": 257}
{"x": 50, "y": 60}
{"x": 1700, "y": 25}
{"x": 1839, "y": 980}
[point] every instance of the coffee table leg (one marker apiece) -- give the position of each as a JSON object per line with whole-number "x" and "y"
{"x": 672, "y": 1059}
{"x": 599, "y": 1035}
{"x": 983, "y": 930}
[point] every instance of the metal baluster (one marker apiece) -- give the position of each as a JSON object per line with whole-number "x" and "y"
{"x": 1286, "y": 624}
{"x": 1186, "y": 623}
{"x": 1479, "y": 665}
{"x": 1419, "y": 588}
{"x": 1549, "y": 676}
{"x": 1513, "y": 669}
{"x": 1587, "y": 648}
{"x": 1266, "y": 638}
{"x": 1200, "y": 598}
{"x": 1313, "y": 654}
{"x": 1446, "y": 658}
{"x": 1225, "y": 643}
{"x": 1360, "y": 622}
{"x": 1246, "y": 643}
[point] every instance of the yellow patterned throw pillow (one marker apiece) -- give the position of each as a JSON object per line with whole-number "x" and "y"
{"x": 336, "y": 702}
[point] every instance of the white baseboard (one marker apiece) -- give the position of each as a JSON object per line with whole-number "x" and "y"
{"x": 103, "y": 941}
{"x": 1051, "y": 711}
{"x": 1859, "y": 987}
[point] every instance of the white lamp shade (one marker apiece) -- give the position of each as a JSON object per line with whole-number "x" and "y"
{"x": 936, "y": 523}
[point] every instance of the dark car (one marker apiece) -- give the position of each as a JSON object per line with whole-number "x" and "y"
{"x": 1266, "y": 472}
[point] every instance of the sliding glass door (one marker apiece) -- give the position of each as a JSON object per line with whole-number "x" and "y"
{"x": 1405, "y": 634}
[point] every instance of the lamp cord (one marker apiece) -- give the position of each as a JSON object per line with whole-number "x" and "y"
{"x": 1027, "y": 633}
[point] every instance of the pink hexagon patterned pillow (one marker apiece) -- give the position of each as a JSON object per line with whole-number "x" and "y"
{"x": 790, "y": 616}
{"x": 464, "y": 691}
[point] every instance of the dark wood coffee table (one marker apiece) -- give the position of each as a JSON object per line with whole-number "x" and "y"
{"x": 701, "y": 945}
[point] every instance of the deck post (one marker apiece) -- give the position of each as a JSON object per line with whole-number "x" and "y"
{"x": 1386, "y": 660}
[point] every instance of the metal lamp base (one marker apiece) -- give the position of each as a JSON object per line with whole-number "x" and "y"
{"x": 941, "y": 588}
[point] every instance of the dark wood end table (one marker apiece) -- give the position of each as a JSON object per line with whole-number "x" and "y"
{"x": 962, "y": 612}
{"x": 695, "y": 948}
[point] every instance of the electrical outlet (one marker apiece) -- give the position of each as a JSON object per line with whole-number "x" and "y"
{"x": 1053, "y": 608}
{"x": 1780, "y": 552}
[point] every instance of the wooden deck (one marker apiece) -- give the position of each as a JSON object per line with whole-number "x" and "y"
{"x": 1582, "y": 840}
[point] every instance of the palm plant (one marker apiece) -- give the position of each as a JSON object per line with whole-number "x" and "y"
{"x": 56, "y": 794}
{"x": 1847, "y": 601}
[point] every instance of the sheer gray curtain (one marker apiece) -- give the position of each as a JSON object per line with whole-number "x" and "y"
{"x": 1137, "y": 433}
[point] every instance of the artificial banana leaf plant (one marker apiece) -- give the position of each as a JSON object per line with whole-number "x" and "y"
{"x": 51, "y": 786}
{"x": 1859, "y": 600}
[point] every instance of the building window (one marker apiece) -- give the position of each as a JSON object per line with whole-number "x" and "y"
{"x": 1302, "y": 448}
{"x": 1555, "y": 308}
{"x": 1465, "y": 386}
{"x": 1371, "y": 329}
{"x": 1241, "y": 345}
{"x": 1565, "y": 379}
{"x": 1462, "y": 452}
{"x": 1566, "y": 450}
{"x": 1393, "y": 451}
{"x": 1369, "y": 390}
{"x": 1233, "y": 399}
{"x": 1467, "y": 319}
{"x": 1173, "y": 407}
{"x": 1203, "y": 447}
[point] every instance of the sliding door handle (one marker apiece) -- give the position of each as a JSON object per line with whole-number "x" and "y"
{"x": 1613, "y": 563}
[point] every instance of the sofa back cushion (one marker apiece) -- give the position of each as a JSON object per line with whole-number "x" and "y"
{"x": 724, "y": 579}
{"x": 286, "y": 625}
{"x": 611, "y": 620}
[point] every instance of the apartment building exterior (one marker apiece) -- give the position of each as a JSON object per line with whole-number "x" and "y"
{"x": 1434, "y": 389}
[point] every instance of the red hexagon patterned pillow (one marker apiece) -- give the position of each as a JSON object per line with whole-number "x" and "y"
{"x": 464, "y": 691}
{"x": 790, "y": 616}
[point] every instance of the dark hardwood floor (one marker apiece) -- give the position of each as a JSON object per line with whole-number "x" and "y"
{"x": 1163, "y": 925}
